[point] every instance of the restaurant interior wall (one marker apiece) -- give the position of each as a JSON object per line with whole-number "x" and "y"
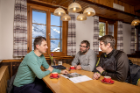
{"x": 6, "y": 33}
{"x": 6, "y": 30}
{"x": 84, "y": 31}
{"x": 0, "y": 31}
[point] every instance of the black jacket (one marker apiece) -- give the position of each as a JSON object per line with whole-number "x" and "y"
{"x": 134, "y": 73}
{"x": 115, "y": 65}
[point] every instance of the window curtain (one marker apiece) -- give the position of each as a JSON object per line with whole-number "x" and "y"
{"x": 71, "y": 39}
{"x": 96, "y": 34}
{"x": 132, "y": 43}
{"x": 120, "y": 36}
{"x": 20, "y": 29}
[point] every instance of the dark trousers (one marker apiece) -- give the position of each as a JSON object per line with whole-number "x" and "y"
{"x": 38, "y": 86}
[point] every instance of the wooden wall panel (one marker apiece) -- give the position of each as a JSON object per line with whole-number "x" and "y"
{"x": 4, "y": 76}
{"x": 97, "y": 1}
{"x": 132, "y": 10}
{"x": 116, "y": 1}
{"x": 110, "y": 3}
{"x": 100, "y": 1}
{"x": 127, "y": 8}
{"x": 120, "y": 3}
{"x": 14, "y": 64}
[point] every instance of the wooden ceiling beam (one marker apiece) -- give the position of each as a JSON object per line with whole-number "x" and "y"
{"x": 52, "y": 4}
{"x": 106, "y": 7}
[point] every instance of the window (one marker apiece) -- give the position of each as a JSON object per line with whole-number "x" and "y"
{"x": 102, "y": 29}
{"x": 56, "y": 34}
{"x": 44, "y": 23}
{"x": 38, "y": 24}
{"x": 106, "y": 27}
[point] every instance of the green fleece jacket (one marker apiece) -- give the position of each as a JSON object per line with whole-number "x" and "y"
{"x": 29, "y": 69}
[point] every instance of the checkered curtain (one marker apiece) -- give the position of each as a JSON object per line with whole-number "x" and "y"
{"x": 96, "y": 34}
{"x": 71, "y": 39}
{"x": 120, "y": 36}
{"x": 132, "y": 43}
{"x": 20, "y": 28}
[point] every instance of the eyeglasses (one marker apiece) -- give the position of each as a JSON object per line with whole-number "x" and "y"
{"x": 83, "y": 46}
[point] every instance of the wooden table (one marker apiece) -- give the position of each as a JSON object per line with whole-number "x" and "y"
{"x": 63, "y": 85}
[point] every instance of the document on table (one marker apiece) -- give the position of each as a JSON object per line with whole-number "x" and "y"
{"x": 76, "y": 78}
{"x": 80, "y": 79}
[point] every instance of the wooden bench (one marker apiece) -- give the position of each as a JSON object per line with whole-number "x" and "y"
{"x": 4, "y": 76}
{"x": 135, "y": 60}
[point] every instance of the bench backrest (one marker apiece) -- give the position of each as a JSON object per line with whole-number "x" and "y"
{"x": 4, "y": 76}
{"x": 135, "y": 60}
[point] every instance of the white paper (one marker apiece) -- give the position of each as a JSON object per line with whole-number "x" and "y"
{"x": 80, "y": 79}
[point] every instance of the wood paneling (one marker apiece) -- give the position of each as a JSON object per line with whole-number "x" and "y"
{"x": 116, "y": 1}
{"x": 131, "y": 2}
{"x": 128, "y": 8}
{"x": 4, "y": 76}
{"x": 137, "y": 8}
{"x": 135, "y": 60}
{"x": 14, "y": 63}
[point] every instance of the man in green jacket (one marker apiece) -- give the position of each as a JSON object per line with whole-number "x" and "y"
{"x": 29, "y": 75}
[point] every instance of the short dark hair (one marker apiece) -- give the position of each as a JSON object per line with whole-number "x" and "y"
{"x": 86, "y": 42}
{"x": 38, "y": 41}
{"x": 108, "y": 39}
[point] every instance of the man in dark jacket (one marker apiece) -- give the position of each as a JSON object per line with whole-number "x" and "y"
{"x": 112, "y": 62}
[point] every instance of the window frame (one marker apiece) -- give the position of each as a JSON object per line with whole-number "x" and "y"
{"x": 108, "y": 21}
{"x": 48, "y": 11}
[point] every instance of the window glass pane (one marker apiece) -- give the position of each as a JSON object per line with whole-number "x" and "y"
{"x": 111, "y": 29}
{"x": 102, "y": 27}
{"x": 102, "y": 30}
{"x": 38, "y": 17}
{"x": 56, "y": 32}
{"x": 55, "y": 20}
{"x": 39, "y": 27}
{"x": 38, "y": 30}
{"x": 56, "y": 46}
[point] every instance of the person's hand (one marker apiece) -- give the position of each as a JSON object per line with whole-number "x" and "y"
{"x": 96, "y": 76}
{"x": 100, "y": 69}
{"x": 78, "y": 67}
{"x": 64, "y": 72}
{"x": 50, "y": 68}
